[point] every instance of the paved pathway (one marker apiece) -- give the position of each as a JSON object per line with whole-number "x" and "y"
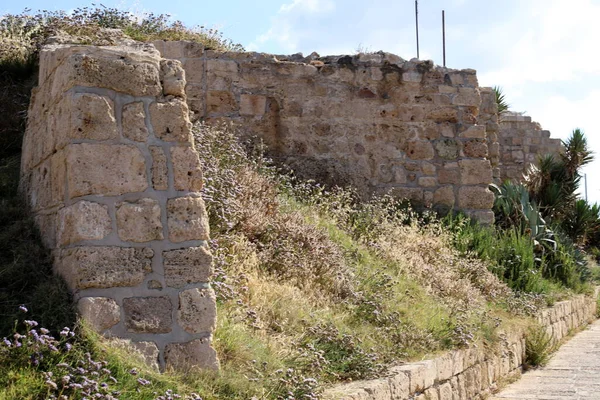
{"x": 572, "y": 373}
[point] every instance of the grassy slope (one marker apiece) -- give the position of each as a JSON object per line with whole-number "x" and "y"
{"x": 313, "y": 288}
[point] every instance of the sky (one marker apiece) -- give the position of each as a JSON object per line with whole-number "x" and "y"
{"x": 543, "y": 53}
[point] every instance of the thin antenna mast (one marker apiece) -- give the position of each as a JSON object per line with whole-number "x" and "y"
{"x": 444, "y": 35}
{"x": 417, "y": 24}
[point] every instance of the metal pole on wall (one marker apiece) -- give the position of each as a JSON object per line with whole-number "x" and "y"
{"x": 444, "y": 35}
{"x": 417, "y": 20}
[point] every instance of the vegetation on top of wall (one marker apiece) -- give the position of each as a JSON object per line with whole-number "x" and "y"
{"x": 22, "y": 35}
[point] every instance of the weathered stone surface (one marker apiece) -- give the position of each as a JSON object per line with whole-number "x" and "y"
{"x": 420, "y": 150}
{"x": 194, "y": 71}
{"x": 444, "y": 196}
{"x": 185, "y": 266}
{"x": 447, "y": 149}
{"x": 475, "y": 172}
{"x": 475, "y": 197}
{"x": 476, "y": 148}
{"x": 220, "y": 102}
{"x": 473, "y": 132}
{"x": 139, "y": 221}
{"x": 134, "y": 122}
{"x": 160, "y": 172}
{"x": 185, "y": 356}
{"x": 100, "y": 313}
{"x": 187, "y": 174}
{"x": 106, "y": 170}
{"x": 92, "y": 117}
{"x": 252, "y": 104}
{"x": 104, "y": 267}
{"x": 187, "y": 219}
{"x": 46, "y": 185}
{"x": 399, "y": 383}
{"x": 172, "y": 77}
{"x": 132, "y": 71}
{"x": 148, "y": 314}
{"x": 83, "y": 220}
{"x": 197, "y": 310}
{"x": 170, "y": 121}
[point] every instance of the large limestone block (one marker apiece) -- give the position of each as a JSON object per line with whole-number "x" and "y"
{"x": 100, "y": 313}
{"x": 91, "y": 116}
{"x": 104, "y": 169}
{"x": 185, "y": 356}
{"x": 197, "y": 310}
{"x": 399, "y": 383}
{"x": 475, "y": 197}
{"x": 467, "y": 97}
{"x": 186, "y": 266}
{"x": 134, "y": 122}
{"x": 104, "y": 267}
{"x": 220, "y": 102}
{"x": 172, "y": 77}
{"x": 475, "y": 172}
{"x": 46, "y": 184}
{"x": 418, "y": 376}
{"x": 194, "y": 71}
{"x": 444, "y": 196}
{"x": 447, "y": 149}
{"x": 420, "y": 150}
{"x": 160, "y": 172}
{"x": 139, "y": 221}
{"x": 170, "y": 121}
{"x": 476, "y": 148}
{"x": 187, "y": 219}
{"x": 134, "y": 71}
{"x": 148, "y": 314}
{"x": 84, "y": 220}
{"x": 254, "y": 105}
{"x": 187, "y": 174}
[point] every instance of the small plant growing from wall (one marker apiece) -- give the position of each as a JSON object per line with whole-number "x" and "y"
{"x": 538, "y": 347}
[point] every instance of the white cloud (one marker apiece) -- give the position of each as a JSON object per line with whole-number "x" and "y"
{"x": 546, "y": 41}
{"x": 286, "y": 26}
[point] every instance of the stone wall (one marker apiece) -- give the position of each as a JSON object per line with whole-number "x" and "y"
{"x": 112, "y": 177}
{"x": 522, "y": 141}
{"x": 472, "y": 373}
{"x": 375, "y": 121}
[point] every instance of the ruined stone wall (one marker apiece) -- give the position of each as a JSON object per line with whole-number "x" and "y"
{"x": 522, "y": 141}
{"x": 372, "y": 120}
{"x": 471, "y": 373}
{"x": 112, "y": 177}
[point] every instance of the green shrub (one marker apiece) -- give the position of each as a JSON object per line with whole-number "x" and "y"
{"x": 538, "y": 347}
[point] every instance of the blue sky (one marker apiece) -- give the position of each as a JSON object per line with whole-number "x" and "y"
{"x": 543, "y": 53}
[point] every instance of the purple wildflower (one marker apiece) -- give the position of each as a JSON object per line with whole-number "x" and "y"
{"x": 143, "y": 381}
{"x": 31, "y": 323}
{"x": 23, "y": 308}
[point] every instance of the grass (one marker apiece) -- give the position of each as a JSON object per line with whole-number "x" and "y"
{"x": 314, "y": 286}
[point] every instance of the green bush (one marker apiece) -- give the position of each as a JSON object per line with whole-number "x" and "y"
{"x": 538, "y": 347}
